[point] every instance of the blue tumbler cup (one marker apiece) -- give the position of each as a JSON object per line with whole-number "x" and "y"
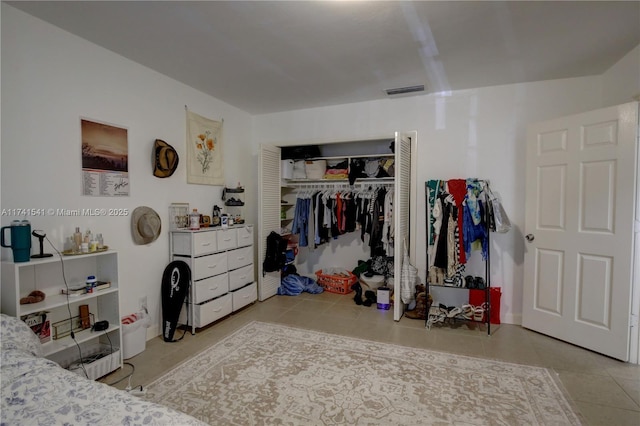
{"x": 20, "y": 240}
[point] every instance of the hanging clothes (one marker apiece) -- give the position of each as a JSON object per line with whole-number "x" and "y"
{"x": 300, "y": 223}
{"x": 433, "y": 189}
{"x": 350, "y": 213}
{"x": 388, "y": 227}
{"x": 377, "y": 222}
{"x": 458, "y": 188}
{"x": 363, "y": 215}
{"x": 441, "y": 256}
{"x": 475, "y": 232}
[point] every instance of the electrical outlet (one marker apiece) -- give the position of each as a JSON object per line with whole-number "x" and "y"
{"x": 142, "y": 303}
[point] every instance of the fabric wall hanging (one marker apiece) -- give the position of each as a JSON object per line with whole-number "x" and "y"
{"x": 204, "y": 150}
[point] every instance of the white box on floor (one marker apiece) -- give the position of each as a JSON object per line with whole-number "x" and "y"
{"x": 134, "y": 340}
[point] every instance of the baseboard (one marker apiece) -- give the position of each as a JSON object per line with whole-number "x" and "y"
{"x": 515, "y": 319}
{"x": 153, "y": 331}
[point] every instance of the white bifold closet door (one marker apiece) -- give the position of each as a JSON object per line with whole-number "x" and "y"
{"x": 268, "y": 215}
{"x": 401, "y": 204}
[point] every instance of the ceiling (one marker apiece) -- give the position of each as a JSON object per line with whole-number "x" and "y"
{"x": 271, "y": 56}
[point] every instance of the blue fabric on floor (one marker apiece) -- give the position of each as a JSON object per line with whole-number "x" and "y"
{"x": 293, "y": 285}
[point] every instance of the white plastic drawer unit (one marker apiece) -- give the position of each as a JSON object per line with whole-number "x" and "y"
{"x": 210, "y": 288}
{"x": 244, "y": 296}
{"x": 208, "y": 266}
{"x": 245, "y": 236}
{"x": 240, "y": 277}
{"x": 203, "y": 243}
{"x": 240, "y": 257}
{"x": 211, "y": 311}
{"x": 227, "y": 239}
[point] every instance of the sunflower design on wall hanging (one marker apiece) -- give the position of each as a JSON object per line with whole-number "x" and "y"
{"x": 204, "y": 150}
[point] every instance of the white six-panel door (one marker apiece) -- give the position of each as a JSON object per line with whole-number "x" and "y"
{"x": 580, "y": 200}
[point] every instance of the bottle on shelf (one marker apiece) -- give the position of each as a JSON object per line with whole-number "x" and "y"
{"x": 194, "y": 220}
{"x": 77, "y": 239}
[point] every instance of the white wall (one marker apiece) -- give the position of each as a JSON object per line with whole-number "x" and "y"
{"x": 50, "y": 79}
{"x": 621, "y": 82}
{"x": 479, "y": 132}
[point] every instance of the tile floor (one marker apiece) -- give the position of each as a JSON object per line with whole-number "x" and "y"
{"x": 605, "y": 391}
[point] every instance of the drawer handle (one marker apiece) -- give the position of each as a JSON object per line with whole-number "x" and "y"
{"x": 242, "y": 277}
{"x": 240, "y": 257}
{"x": 214, "y": 288}
{"x": 206, "y": 244}
{"x": 212, "y": 266}
{"x": 227, "y": 239}
{"x": 217, "y": 310}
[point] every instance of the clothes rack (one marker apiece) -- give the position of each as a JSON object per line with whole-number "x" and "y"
{"x": 466, "y": 192}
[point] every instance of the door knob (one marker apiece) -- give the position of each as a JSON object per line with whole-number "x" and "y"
{"x": 530, "y": 237}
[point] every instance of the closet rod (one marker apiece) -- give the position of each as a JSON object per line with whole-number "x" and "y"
{"x": 342, "y": 185}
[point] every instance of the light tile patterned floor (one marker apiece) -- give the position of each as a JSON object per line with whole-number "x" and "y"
{"x": 606, "y": 391}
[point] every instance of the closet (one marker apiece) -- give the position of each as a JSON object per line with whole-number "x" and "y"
{"x": 279, "y": 191}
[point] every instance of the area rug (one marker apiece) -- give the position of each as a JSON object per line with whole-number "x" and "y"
{"x": 267, "y": 374}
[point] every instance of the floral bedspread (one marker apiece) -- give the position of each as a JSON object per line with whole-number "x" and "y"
{"x": 36, "y": 390}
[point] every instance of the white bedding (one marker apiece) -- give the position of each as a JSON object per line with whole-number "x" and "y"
{"x": 38, "y": 391}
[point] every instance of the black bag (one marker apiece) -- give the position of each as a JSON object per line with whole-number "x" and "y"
{"x": 300, "y": 152}
{"x": 275, "y": 257}
{"x": 382, "y": 265}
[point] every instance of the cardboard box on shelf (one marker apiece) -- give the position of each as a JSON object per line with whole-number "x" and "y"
{"x": 40, "y": 325}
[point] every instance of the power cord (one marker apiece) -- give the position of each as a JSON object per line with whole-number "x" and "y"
{"x": 133, "y": 390}
{"x": 73, "y": 336}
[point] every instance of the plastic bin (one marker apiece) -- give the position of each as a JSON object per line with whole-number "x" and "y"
{"x": 134, "y": 335}
{"x": 477, "y": 298}
{"x": 339, "y": 282}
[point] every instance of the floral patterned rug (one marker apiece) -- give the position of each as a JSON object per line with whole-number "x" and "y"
{"x": 273, "y": 374}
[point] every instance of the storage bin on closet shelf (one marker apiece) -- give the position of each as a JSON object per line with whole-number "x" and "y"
{"x": 315, "y": 169}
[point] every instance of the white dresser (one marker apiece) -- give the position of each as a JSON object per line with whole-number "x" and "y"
{"x": 222, "y": 273}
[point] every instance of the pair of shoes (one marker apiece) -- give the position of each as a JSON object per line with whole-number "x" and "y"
{"x": 422, "y": 304}
{"x": 449, "y": 311}
{"x": 436, "y": 315}
{"x": 478, "y": 313}
{"x": 474, "y": 282}
{"x": 370, "y": 298}
{"x": 436, "y": 275}
{"x": 233, "y": 202}
{"x": 454, "y": 281}
{"x": 467, "y": 311}
{"x": 358, "y": 289}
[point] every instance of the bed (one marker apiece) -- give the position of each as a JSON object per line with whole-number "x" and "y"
{"x": 36, "y": 390}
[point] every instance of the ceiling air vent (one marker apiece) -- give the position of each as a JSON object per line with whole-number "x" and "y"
{"x": 405, "y": 90}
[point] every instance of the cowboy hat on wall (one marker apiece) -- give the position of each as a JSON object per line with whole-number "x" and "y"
{"x": 145, "y": 225}
{"x": 165, "y": 159}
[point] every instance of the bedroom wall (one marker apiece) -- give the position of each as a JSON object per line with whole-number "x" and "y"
{"x": 50, "y": 79}
{"x": 478, "y": 132}
{"x": 621, "y": 82}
